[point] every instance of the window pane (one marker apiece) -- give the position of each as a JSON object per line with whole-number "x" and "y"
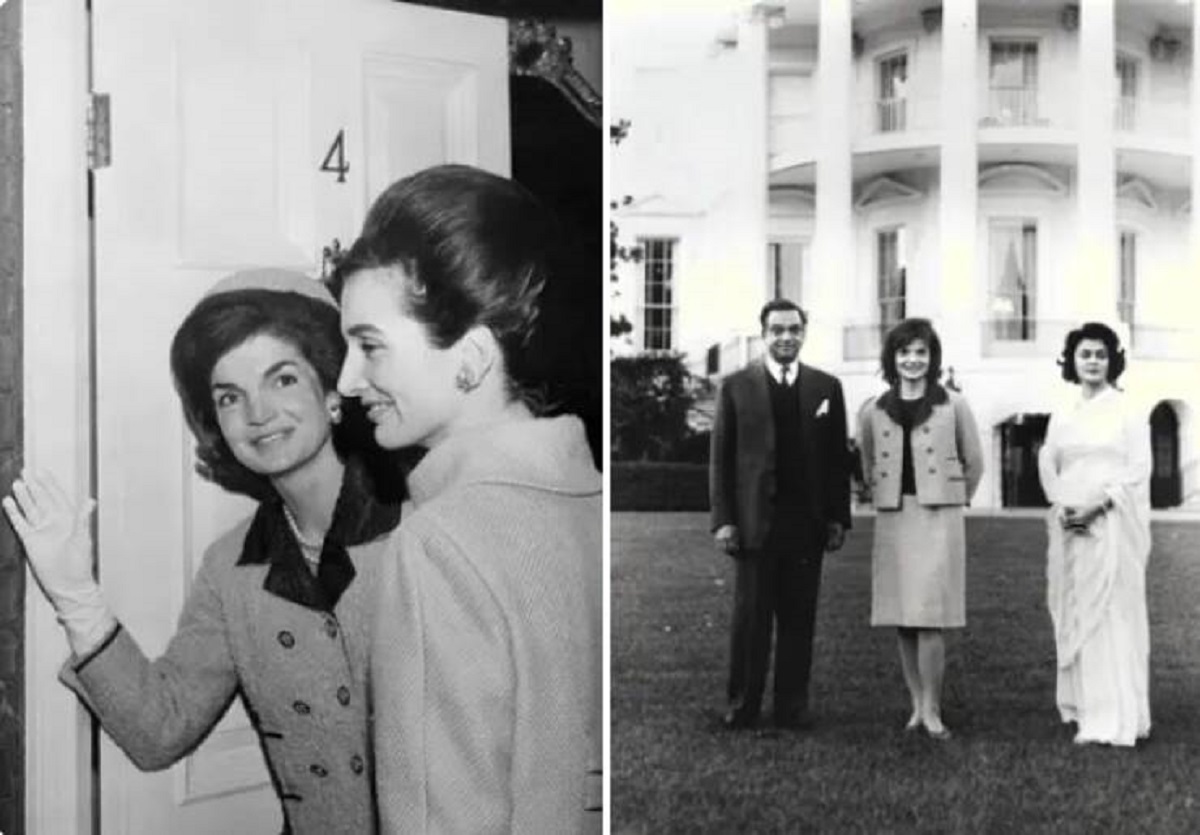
{"x": 657, "y": 292}
{"x": 1012, "y": 268}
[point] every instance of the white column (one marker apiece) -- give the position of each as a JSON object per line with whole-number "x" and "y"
{"x": 833, "y": 238}
{"x": 1093, "y": 278}
{"x": 736, "y": 223}
{"x": 961, "y": 285}
{"x": 755, "y": 173}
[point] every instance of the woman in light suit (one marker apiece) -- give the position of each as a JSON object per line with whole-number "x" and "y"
{"x": 486, "y": 664}
{"x": 922, "y": 461}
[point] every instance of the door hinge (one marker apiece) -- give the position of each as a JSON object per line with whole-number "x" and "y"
{"x": 99, "y": 131}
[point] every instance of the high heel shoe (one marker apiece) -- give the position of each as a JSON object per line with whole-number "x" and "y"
{"x": 940, "y": 734}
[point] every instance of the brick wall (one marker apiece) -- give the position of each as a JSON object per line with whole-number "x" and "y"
{"x": 12, "y": 572}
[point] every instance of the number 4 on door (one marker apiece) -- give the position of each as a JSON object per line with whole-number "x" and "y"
{"x": 335, "y": 157}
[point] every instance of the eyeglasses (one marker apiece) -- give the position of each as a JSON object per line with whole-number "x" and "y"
{"x": 789, "y": 330}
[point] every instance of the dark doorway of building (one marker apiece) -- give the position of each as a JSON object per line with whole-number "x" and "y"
{"x": 1165, "y": 484}
{"x": 1021, "y": 437}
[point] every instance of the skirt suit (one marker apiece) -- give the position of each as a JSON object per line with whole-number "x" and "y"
{"x": 923, "y": 462}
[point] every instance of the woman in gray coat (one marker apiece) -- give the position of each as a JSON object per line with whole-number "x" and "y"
{"x": 279, "y": 610}
{"x": 922, "y": 460}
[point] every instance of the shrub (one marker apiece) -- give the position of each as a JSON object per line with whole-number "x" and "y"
{"x": 652, "y": 396}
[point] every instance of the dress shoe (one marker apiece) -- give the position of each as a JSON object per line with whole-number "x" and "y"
{"x": 736, "y": 721}
{"x": 941, "y": 734}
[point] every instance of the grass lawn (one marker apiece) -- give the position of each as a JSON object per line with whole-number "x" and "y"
{"x": 1011, "y": 766}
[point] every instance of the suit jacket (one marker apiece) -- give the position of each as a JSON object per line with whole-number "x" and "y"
{"x": 947, "y": 459}
{"x": 250, "y": 627}
{"x": 742, "y": 483}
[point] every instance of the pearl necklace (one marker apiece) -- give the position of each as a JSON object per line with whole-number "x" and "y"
{"x": 306, "y": 545}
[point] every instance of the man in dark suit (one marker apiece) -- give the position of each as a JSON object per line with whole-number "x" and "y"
{"x": 780, "y": 491}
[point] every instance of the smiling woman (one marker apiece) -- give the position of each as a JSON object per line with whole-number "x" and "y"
{"x": 922, "y": 462}
{"x": 486, "y": 662}
{"x": 255, "y": 364}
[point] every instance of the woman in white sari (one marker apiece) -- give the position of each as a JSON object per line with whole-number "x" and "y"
{"x": 1095, "y": 470}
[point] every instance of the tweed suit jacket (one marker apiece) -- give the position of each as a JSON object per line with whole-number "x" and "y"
{"x": 486, "y": 674}
{"x": 742, "y": 481}
{"x": 946, "y": 454}
{"x": 300, "y": 671}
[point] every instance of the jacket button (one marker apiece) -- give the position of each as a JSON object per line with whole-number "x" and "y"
{"x": 883, "y": 454}
{"x": 927, "y": 430}
{"x": 356, "y": 764}
{"x": 929, "y": 449}
{"x": 343, "y": 695}
{"x": 331, "y": 626}
{"x": 319, "y": 770}
{"x": 887, "y": 433}
{"x": 933, "y": 470}
{"x": 883, "y": 474}
{"x": 301, "y": 707}
{"x": 287, "y": 639}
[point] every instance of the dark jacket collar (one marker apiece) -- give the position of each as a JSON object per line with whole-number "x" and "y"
{"x": 935, "y": 395}
{"x": 358, "y": 517}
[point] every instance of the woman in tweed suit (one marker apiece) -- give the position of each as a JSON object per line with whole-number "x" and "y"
{"x": 278, "y": 612}
{"x": 486, "y": 667}
{"x": 923, "y": 461}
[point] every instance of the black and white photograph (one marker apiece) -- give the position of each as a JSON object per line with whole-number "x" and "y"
{"x": 302, "y": 344}
{"x": 905, "y": 370}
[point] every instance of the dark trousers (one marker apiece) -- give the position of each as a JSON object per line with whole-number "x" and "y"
{"x": 776, "y": 591}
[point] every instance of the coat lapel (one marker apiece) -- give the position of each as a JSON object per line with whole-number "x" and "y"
{"x": 761, "y": 393}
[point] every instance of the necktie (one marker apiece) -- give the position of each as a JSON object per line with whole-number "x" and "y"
{"x": 784, "y": 370}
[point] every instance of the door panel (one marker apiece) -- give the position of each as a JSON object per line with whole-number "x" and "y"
{"x": 222, "y": 113}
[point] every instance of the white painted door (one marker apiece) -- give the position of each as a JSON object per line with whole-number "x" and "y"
{"x": 223, "y": 112}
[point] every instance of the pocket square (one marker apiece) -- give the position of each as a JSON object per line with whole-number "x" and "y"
{"x": 823, "y": 408}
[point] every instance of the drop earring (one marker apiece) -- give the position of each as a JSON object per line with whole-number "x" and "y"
{"x": 335, "y": 412}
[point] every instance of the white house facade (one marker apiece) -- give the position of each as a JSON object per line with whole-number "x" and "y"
{"x": 1006, "y": 169}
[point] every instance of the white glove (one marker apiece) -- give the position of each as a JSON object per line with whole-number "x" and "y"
{"x": 57, "y": 541}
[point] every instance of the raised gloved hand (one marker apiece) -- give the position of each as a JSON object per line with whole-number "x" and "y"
{"x": 57, "y": 541}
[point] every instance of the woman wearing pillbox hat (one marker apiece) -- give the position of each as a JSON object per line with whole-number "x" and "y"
{"x": 278, "y": 612}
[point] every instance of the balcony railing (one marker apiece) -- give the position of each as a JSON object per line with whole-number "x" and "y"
{"x": 1017, "y": 336}
{"x": 892, "y": 114}
{"x": 733, "y": 353}
{"x": 1150, "y": 342}
{"x": 1012, "y": 106}
{"x": 1159, "y": 117}
{"x": 863, "y": 341}
{"x": 1126, "y": 113}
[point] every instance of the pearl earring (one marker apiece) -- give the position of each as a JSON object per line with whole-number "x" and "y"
{"x": 465, "y": 380}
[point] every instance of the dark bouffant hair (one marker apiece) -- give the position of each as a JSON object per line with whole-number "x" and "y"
{"x": 901, "y": 335}
{"x": 777, "y": 305}
{"x": 1098, "y": 331}
{"x": 218, "y": 324}
{"x": 474, "y": 249}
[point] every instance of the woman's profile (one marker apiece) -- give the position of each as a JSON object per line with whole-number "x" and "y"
{"x": 486, "y": 662}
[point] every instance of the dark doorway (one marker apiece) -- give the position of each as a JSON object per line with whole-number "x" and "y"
{"x": 558, "y": 155}
{"x": 1165, "y": 483}
{"x": 1021, "y": 437}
